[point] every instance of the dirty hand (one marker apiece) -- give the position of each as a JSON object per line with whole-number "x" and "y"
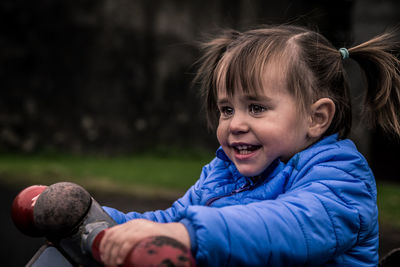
{"x": 119, "y": 240}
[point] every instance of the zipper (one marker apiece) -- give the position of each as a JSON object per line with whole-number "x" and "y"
{"x": 250, "y": 184}
{"x": 247, "y": 186}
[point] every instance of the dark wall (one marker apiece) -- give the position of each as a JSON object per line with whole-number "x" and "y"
{"x": 113, "y": 76}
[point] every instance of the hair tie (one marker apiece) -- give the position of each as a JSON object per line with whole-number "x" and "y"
{"x": 344, "y": 52}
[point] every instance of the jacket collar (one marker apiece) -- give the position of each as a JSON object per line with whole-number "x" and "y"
{"x": 221, "y": 154}
{"x": 277, "y": 165}
{"x": 272, "y": 169}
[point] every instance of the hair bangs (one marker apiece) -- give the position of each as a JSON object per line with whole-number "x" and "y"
{"x": 241, "y": 68}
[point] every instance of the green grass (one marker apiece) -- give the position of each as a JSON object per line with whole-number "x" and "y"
{"x": 144, "y": 174}
{"x": 141, "y": 175}
{"x": 389, "y": 203}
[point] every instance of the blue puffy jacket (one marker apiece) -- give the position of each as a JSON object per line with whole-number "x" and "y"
{"x": 318, "y": 208}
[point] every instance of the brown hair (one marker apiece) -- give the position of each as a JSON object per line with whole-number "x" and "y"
{"x": 313, "y": 68}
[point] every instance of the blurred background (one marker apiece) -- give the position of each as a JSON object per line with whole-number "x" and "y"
{"x": 104, "y": 82}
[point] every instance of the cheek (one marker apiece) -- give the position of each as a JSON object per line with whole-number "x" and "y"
{"x": 221, "y": 134}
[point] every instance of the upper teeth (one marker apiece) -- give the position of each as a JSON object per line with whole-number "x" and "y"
{"x": 243, "y": 147}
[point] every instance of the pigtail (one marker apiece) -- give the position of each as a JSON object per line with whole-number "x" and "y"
{"x": 205, "y": 77}
{"x": 378, "y": 59}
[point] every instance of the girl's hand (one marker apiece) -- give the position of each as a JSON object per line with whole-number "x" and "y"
{"x": 119, "y": 240}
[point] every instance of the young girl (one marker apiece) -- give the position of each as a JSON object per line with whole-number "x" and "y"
{"x": 286, "y": 186}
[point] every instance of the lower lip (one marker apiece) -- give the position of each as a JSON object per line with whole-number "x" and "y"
{"x": 239, "y": 156}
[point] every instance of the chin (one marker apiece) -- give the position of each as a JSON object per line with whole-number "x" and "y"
{"x": 249, "y": 172}
{"x": 251, "y": 169}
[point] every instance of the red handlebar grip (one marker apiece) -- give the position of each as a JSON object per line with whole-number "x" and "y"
{"x": 22, "y": 210}
{"x": 152, "y": 251}
{"x": 159, "y": 251}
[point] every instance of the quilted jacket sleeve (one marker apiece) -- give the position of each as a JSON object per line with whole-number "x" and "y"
{"x": 322, "y": 215}
{"x": 171, "y": 214}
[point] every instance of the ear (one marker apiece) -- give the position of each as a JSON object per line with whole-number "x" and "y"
{"x": 321, "y": 115}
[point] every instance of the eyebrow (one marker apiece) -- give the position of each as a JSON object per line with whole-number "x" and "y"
{"x": 222, "y": 101}
{"x": 257, "y": 98}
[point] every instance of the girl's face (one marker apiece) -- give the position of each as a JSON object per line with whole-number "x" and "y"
{"x": 254, "y": 130}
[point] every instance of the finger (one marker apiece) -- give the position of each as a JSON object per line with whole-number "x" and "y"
{"x": 124, "y": 251}
{"x": 104, "y": 243}
{"x": 114, "y": 250}
{"x": 107, "y": 257}
{"x": 113, "y": 254}
{"x": 106, "y": 246}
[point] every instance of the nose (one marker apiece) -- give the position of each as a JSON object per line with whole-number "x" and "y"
{"x": 238, "y": 124}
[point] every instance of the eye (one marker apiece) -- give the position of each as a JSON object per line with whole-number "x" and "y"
{"x": 226, "y": 111}
{"x": 256, "y": 109}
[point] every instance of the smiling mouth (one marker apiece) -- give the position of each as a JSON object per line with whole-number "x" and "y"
{"x": 245, "y": 149}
